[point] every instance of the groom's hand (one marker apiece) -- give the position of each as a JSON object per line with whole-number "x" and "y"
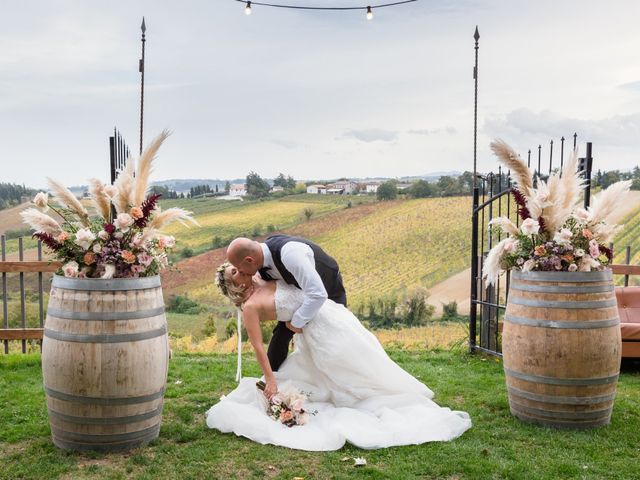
{"x": 293, "y": 329}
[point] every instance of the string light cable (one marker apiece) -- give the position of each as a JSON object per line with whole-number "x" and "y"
{"x": 369, "y": 8}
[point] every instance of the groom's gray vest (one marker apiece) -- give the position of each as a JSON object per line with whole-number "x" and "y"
{"x": 326, "y": 266}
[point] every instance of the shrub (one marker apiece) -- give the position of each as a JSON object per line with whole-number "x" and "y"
{"x": 307, "y": 213}
{"x": 257, "y": 231}
{"x": 183, "y": 304}
{"x": 450, "y": 311}
{"x": 186, "y": 252}
{"x": 22, "y": 232}
{"x": 265, "y": 327}
{"x": 271, "y": 228}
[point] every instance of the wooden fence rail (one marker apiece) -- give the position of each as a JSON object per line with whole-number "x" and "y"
{"x": 22, "y": 267}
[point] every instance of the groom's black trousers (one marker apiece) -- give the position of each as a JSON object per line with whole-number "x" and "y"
{"x": 279, "y": 345}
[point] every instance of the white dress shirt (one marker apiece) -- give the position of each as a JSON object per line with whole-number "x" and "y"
{"x": 298, "y": 258}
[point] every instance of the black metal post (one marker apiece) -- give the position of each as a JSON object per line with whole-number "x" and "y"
{"x": 561, "y": 153}
{"x": 476, "y": 36}
{"x": 112, "y": 155}
{"x": 588, "y": 163}
{"x": 141, "y": 68}
{"x": 550, "y": 157}
{"x": 473, "y": 312}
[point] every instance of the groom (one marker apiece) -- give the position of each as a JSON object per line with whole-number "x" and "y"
{"x": 296, "y": 261}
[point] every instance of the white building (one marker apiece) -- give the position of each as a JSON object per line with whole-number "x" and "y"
{"x": 372, "y": 187}
{"x": 277, "y": 189}
{"x": 238, "y": 190}
{"x": 347, "y": 186}
{"x": 317, "y": 189}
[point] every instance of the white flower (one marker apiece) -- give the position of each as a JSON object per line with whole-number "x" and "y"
{"x": 96, "y": 248}
{"x": 511, "y": 245}
{"x": 123, "y": 222}
{"x": 84, "y": 238}
{"x": 111, "y": 190}
{"x": 530, "y": 227}
{"x": 359, "y": 462}
{"x": 70, "y": 269}
{"x": 41, "y": 201}
{"x": 528, "y": 265}
{"x": 582, "y": 215}
{"x": 109, "y": 270}
{"x": 578, "y": 252}
{"x": 563, "y": 237}
{"x": 587, "y": 264}
{"x": 118, "y": 235}
{"x": 573, "y": 267}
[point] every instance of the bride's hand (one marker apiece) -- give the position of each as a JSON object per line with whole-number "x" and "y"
{"x": 293, "y": 329}
{"x": 271, "y": 388}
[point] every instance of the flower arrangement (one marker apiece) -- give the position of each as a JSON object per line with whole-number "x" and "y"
{"x": 121, "y": 237}
{"x": 555, "y": 234}
{"x": 287, "y": 406}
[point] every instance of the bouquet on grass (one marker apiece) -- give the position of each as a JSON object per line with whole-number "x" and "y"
{"x": 287, "y": 406}
{"x": 101, "y": 244}
{"x": 555, "y": 234}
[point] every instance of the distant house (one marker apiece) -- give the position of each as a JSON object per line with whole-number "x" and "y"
{"x": 335, "y": 191}
{"x": 238, "y": 190}
{"x": 403, "y": 186}
{"x": 317, "y": 189}
{"x": 372, "y": 187}
{"x": 277, "y": 189}
{"x": 347, "y": 186}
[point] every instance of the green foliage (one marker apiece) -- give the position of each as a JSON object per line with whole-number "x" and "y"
{"x": 13, "y": 194}
{"x": 308, "y": 212}
{"x": 287, "y": 183}
{"x": 387, "y": 190}
{"x": 271, "y": 228}
{"x": 412, "y": 310}
{"x": 257, "y": 231}
{"x": 256, "y": 185}
{"x": 450, "y": 311}
{"x": 266, "y": 328}
{"x": 422, "y": 189}
{"x": 183, "y": 304}
{"x": 164, "y": 191}
{"x": 23, "y": 232}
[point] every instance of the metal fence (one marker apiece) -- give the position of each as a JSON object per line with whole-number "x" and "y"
{"x": 119, "y": 153}
{"x": 492, "y": 197}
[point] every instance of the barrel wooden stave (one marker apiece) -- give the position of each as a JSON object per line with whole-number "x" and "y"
{"x": 561, "y": 362}
{"x": 103, "y": 377}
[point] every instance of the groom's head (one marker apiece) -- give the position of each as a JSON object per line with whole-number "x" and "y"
{"x": 246, "y": 255}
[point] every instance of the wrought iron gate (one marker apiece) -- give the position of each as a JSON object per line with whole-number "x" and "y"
{"x": 492, "y": 197}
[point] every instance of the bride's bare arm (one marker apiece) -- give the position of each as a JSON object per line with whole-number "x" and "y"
{"x": 251, "y": 321}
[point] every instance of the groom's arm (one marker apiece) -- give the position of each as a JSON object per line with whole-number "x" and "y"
{"x": 299, "y": 260}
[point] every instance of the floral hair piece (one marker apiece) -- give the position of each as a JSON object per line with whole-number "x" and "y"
{"x": 220, "y": 280}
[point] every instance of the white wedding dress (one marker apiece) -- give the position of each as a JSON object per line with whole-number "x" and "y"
{"x": 360, "y": 394}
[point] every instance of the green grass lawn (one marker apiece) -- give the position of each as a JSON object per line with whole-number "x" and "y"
{"x": 497, "y": 446}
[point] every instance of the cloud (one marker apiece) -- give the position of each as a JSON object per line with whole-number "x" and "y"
{"x": 534, "y": 127}
{"x": 285, "y": 143}
{"x": 372, "y": 135}
{"x": 426, "y": 131}
{"x": 631, "y": 86}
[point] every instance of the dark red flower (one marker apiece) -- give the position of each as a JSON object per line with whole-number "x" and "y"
{"x": 48, "y": 240}
{"x": 147, "y": 207}
{"x": 109, "y": 228}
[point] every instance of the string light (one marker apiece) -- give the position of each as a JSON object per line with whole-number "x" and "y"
{"x": 368, "y": 8}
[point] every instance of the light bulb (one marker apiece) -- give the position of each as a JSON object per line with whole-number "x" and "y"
{"x": 247, "y": 9}
{"x": 369, "y": 13}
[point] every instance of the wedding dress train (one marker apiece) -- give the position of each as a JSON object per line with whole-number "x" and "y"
{"x": 361, "y": 396}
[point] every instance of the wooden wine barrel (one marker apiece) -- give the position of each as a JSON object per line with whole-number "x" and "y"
{"x": 561, "y": 348}
{"x": 105, "y": 356}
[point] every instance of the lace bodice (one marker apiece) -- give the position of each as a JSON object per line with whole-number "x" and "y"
{"x": 288, "y": 299}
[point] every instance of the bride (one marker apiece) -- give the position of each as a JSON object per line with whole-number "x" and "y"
{"x": 359, "y": 393}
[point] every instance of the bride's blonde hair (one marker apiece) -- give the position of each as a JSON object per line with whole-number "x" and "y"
{"x": 224, "y": 282}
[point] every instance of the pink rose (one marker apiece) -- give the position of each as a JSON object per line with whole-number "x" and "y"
{"x": 297, "y": 405}
{"x": 594, "y": 249}
{"x": 123, "y": 222}
{"x": 70, "y": 269}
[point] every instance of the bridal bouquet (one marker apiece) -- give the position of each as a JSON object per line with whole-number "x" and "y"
{"x": 287, "y": 406}
{"x": 101, "y": 244}
{"x": 555, "y": 233}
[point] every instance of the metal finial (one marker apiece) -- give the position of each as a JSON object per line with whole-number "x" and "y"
{"x": 143, "y": 27}
{"x": 477, "y": 34}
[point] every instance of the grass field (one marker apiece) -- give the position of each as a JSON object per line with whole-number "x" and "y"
{"x": 497, "y": 446}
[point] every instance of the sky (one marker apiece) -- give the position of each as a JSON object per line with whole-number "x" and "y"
{"x": 315, "y": 95}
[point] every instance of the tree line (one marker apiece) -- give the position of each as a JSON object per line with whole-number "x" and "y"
{"x": 12, "y": 194}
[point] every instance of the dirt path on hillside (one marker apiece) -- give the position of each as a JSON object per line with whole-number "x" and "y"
{"x": 455, "y": 288}
{"x": 10, "y": 218}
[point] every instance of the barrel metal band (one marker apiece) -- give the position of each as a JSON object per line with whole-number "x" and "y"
{"x": 103, "y": 285}
{"x": 104, "y": 316}
{"x": 561, "y": 277}
{"x": 67, "y": 397}
{"x": 106, "y": 447}
{"x": 560, "y": 424}
{"x": 105, "y": 438}
{"x": 529, "y": 302}
{"x": 105, "y": 420}
{"x": 125, "y": 337}
{"x": 607, "y": 287}
{"x": 588, "y": 415}
{"x": 561, "y": 381}
{"x": 587, "y": 325}
{"x": 562, "y": 399}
